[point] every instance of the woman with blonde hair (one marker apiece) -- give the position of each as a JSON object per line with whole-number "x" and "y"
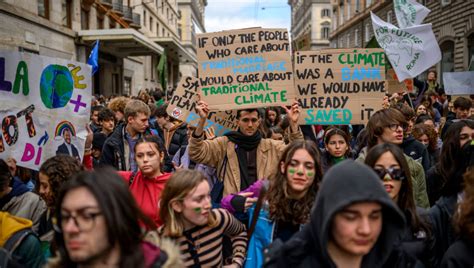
{"x": 199, "y": 230}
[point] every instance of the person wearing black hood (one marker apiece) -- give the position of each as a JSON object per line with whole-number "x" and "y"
{"x": 354, "y": 223}
{"x": 241, "y": 157}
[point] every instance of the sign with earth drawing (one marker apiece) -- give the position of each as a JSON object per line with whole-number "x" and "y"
{"x": 411, "y": 50}
{"x": 246, "y": 68}
{"x": 45, "y": 107}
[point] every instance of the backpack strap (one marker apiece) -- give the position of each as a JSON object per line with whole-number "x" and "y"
{"x": 256, "y": 212}
{"x": 132, "y": 178}
{"x": 15, "y": 240}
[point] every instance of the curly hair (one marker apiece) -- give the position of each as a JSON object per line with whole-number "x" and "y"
{"x": 59, "y": 169}
{"x": 283, "y": 208}
{"x": 118, "y": 104}
{"x": 422, "y": 129}
{"x": 464, "y": 217}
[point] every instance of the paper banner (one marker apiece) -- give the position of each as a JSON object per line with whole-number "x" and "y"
{"x": 339, "y": 86}
{"x": 409, "y": 13}
{"x": 411, "y": 51}
{"x": 45, "y": 107}
{"x": 458, "y": 83}
{"x": 183, "y": 103}
{"x": 247, "y": 68}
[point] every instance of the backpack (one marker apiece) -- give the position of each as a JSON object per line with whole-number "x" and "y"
{"x": 7, "y": 259}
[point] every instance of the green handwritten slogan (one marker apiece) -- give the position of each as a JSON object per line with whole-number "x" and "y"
{"x": 183, "y": 103}
{"x": 245, "y": 68}
{"x": 339, "y": 86}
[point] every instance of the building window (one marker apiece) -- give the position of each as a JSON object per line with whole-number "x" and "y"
{"x": 326, "y": 13}
{"x": 84, "y": 19}
{"x": 389, "y": 16}
{"x": 447, "y": 57}
{"x": 66, "y": 12}
{"x": 325, "y": 31}
{"x": 163, "y": 32}
{"x": 368, "y": 3}
{"x": 356, "y": 37}
{"x": 348, "y": 38}
{"x": 144, "y": 18}
{"x": 349, "y": 9}
{"x": 357, "y": 6}
{"x": 341, "y": 14}
{"x": 151, "y": 24}
{"x": 43, "y": 8}
{"x": 115, "y": 83}
{"x": 127, "y": 85}
{"x": 470, "y": 50}
{"x": 157, "y": 29}
{"x": 367, "y": 32}
{"x": 100, "y": 21}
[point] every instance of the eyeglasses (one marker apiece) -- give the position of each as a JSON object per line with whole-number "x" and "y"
{"x": 394, "y": 127}
{"x": 84, "y": 221}
{"x": 394, "y": 173}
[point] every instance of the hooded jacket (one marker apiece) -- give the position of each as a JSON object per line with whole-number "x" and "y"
{"x": 345, "y": 184}
{"x": 23, "y": 203}
{"x": 28, "y": 251}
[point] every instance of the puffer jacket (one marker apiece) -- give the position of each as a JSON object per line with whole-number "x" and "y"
{"x": 213, "y": 153}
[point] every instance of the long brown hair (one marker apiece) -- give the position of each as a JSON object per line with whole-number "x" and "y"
{"x": 464, "y": 217}
{"x": 280, "y": 206}
{"x": 406, "y": 201}
{"x": 177, "y": 188}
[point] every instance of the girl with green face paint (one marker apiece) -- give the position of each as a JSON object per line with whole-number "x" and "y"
{"x": 291, "y": 193}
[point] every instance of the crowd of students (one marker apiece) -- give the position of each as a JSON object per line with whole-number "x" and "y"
{"x": 152, "y": 191}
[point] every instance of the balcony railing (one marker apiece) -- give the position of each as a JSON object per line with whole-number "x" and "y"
{"x": 127, "y": 13}
{"x": 106, "y": 2}
{"x": 136, "y": 20}
{"x": 117, "y": 7}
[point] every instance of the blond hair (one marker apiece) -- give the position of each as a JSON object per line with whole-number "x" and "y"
{"x": 135, "y": 107}
{"x": 178, "y": 186}
{"x": 118, "y": 104}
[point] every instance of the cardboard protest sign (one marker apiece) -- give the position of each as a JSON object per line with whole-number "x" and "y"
{"x": 245, "y": 68}
{"x": 393, "y": 86}
{"x": 458, "y": 83}
{"x": 45, "y": 107}
{"x": 411, "y": 50}
{"x": 337, "y": 87}
{"x": 409, "y": 13}
{"x": 183, "y": 103}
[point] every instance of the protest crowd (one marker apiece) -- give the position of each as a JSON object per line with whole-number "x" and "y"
{"x": 153, "y": 191}
{"x": 264, "y": 160}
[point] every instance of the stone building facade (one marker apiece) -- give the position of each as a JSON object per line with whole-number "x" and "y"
{"x": 310, "y": 24}
{"x": 133, "y": 35}
{"x": 452, "y": 20}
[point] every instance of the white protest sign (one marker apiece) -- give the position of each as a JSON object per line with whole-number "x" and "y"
{"x": 45, "y": 107}
{"x": 458, "y": 83}
{"x": 410, "y": 51}
{"x": 409, "y": 13}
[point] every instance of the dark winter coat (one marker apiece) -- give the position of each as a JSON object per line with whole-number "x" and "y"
{"x": 417, "y": 151}
{"x": 459, "y": 255}
{"x": 347, "y": 183}
{"x": 441, "y": 215}
{"x": 180, "y": 138}
{"x": 116, "y": 154}
{"x": 449, "y": 121}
